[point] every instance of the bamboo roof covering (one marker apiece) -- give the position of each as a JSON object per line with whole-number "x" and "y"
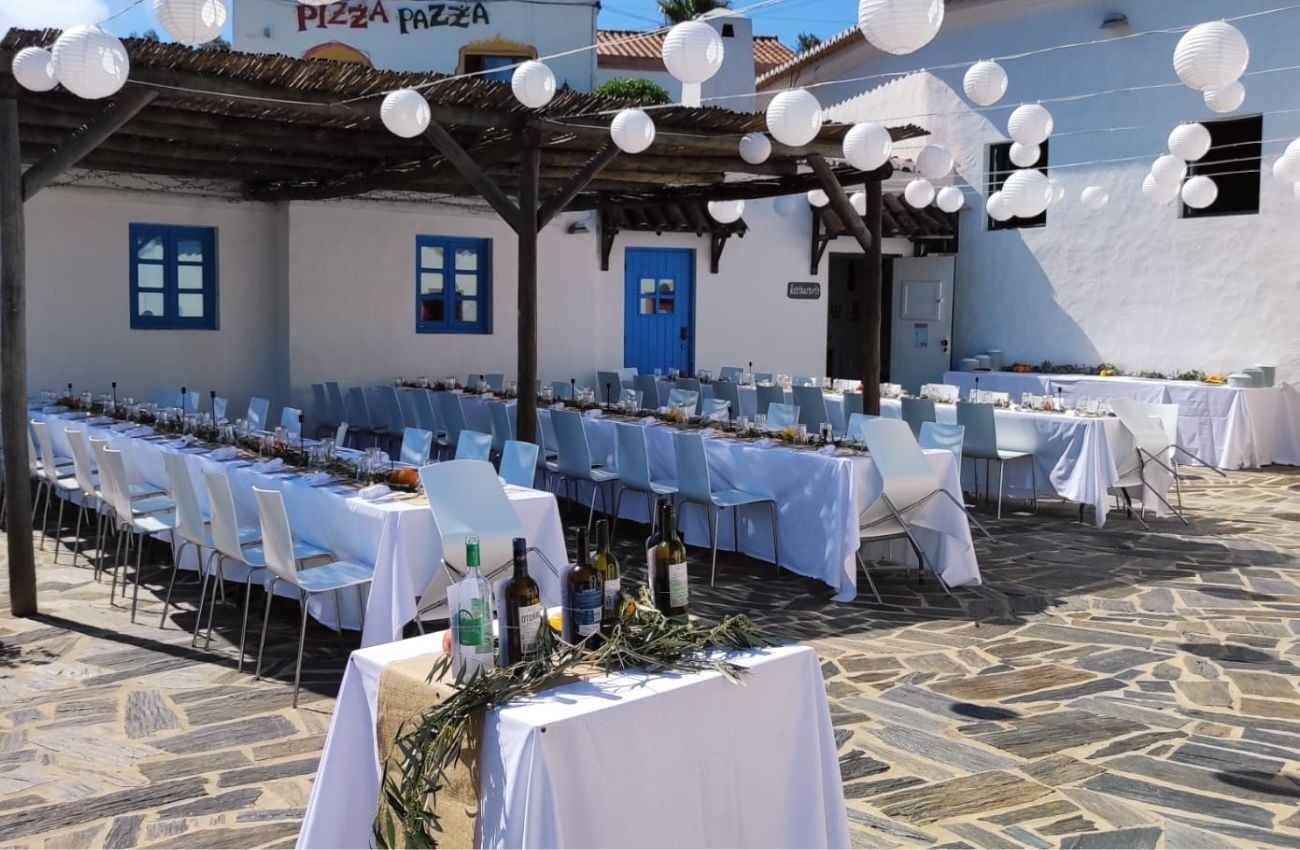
{"x": 301, "y": 129}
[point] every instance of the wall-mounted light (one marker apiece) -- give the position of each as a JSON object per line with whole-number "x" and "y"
{"x": 1114, "y": 21}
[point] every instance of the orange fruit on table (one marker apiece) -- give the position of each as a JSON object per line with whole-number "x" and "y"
{"x": 405, "y": 477}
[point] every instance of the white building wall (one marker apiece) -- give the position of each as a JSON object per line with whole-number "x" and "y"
{"x": 1131, "y": 284}
{"x": 78, "y": 298}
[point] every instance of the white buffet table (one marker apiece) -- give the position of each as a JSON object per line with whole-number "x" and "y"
{"x": 622, "y": 761}
{"x": 1230, "y": 427}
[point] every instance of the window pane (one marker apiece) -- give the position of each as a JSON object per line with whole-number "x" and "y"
{"x": 433, "y": 310}
{"x": 189, "y": 277}
{"x": 189, "y": 250}
{"x": 467, "y": 284}
{"x": 647, "y": 306}
{"x": 666, "y": 286}
{"x": 149, "y": 248}
{"x": 666, "y": 305}
{"x": 467, "y": 311}
{"x": 431, "y": 283}
{"x": 430, "y": 257}
{"x": 191, "y": 305}
{"x": 149, "y": 276}
{"x": 466, "y": 260}
{"x": 647, "y": 286}
{"x": 149, "y": 304}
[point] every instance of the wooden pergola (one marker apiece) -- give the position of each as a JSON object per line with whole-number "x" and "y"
{"x": 286, "y": 129}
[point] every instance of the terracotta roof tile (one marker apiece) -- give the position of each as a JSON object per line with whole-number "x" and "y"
{"x": 623, "y": 48}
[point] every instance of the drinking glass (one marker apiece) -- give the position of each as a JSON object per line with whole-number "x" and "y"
{"x": 760, "y": 421}
{"x": 803, "y": 433}
{"x": 826, "y": 431}
{"x": 548, "y": 392}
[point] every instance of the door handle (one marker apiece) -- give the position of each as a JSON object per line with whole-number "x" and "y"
{"x": 684, "y": 333}
{"x": 943, "y": 345}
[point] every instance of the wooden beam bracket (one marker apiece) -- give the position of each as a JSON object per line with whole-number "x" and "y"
{"x": 822, "y": 236}
{"x": 717, "y": 242}
{"x": 557, "y": 202}
{"x": 608, "y": 232}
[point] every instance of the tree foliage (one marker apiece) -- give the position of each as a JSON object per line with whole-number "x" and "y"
{"x": 676, "y": 11}
{"x": 806, "y": 41}
{"x": 645, "y": 92}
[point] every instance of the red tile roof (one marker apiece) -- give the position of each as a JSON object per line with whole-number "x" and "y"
{"x": 642, "y": 51}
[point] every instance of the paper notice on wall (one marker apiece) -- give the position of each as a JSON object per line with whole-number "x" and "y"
{"x": 920, "y": 335}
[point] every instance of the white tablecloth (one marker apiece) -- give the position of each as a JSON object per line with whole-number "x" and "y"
{"x": 398, "y": 536}
{"x": 1230, "y": 427}
{"x": 623, "y": 761}
{"x": 819, "y": 499}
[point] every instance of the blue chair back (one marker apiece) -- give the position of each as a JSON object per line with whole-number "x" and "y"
{"x": 499, "y": 417}
{"x": 633, "y": 456}
{"x": 649, "y": 389}
{"x": 393, "y": 408}
{"x": 692, "y": 385}
{"x": 782, "y": 415}
{"x": 426, "y": 416}
{"x": 358, "y": 409}
{"x": 417, "y": 443}
{"x": 730, "y": 373}
{"x": 626, "y": 375}
{"x": 608, "y": 387}
{"x": 411, "y": 409}
{"x": 852, "y": 403}
{"x": 981, "y": 437}
{"x": 473, "y": 445}
{"x": 692, "y": 468}
{"x": 937, "y": 435}
{"x": 899, "y": 461}
{"x": 768, "y": 396}
{"x": 219, "y": 405}
{"x": 812, "y": 406}
{"x": 291, "y": 420}
{"x": 857, "y": 423}
{"x": 453, "y": 416}
{"x": 496, "y": 381}
{"x": 163, "y": 397}
{"x": 571, "y": 443}
{"x": 730, "y": 392}
{"x": 519, "y": 463}
{"x": 189, "y": 401}
{"x": 916, "y": 411}
{"x": 562, "y": 389}
{"x": 258, "y": 411}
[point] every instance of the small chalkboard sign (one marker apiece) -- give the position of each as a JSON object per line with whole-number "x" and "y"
{"x": 803, "y": 291}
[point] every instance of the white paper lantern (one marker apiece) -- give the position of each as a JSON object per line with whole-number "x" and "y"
{"x": 1296, "y": 190}
{"x": 533, "y": 84}
{"x": 985, "y": 83}
{"x": 998, "y": 208}
{"x": 90, "y": 62}
{"x": 867, "y": 146}
{"x": 817, "y": 198}
{"x": 1168, "y": 170}
{"x": 919, "y": 193}
{"x": 1094, "y": 197}
{"x": 33, "y": 68}
{"x": 1199, "y": 192}
{"x": 1226, "y": 99}
{"x": 692, "y": 51}
{"x": 1030, "y": 124}
{"x": 859, "y": 201}
{"x": 1024, "y": 156}
{"x": 315, "y": 2}
{"x": 632, "y": 130}
{"x": 1189, "y": 142}
{"x": 900, "y": 26}
{"x": 755, "y": 148}
{"x": 405, "y": 113}
{"x": 725, "y": 212}
{"x": 1027, "y": 192}
{"x": 950, "y": 199}
{"x": 934, "y": 162}
{"x": 1058, "y": 191}
{"x": 1158, "y": 193}
{"x": 192, "y": 21}
{"x": 1211, "y": 55}
{"x": 1287, "y": 167}
{"x": 794, "y": 117}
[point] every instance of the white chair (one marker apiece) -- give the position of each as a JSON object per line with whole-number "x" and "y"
{"x": 473, "y": 445}
{"x": 812, "y": 407}
{"x": 907, "y": 484}
{"x": 191, "y": 530}
{"x": 416, "y": 445}
{"x": 574, "y": 463}
{"x": 1154, "y": 429}
{"x": 282, "y": 562}
{"x": 981, "y": 443}
{"x": 855, "y": 432}
{"x": 291, "y": 420}
{"x": 341, "y": 435}
{"x": 499, "y": 419}
{"x": 145, "y": 498}
{"x": 219, "y": 405}
{"x": 781, "y": 416}
{"x": 113, "y": 477}
{"x": 936, "y": 435}
{"x": 87, "y": 479}
{"x": 57, "y": 480}
{"x": 634, "y": 471}
{"x": 678, "y": 397}
{"x": 609, "y": 387}
{"x": 716, "y": 409}
{"x": 731, "y": 373}
{"x": 519, "y": 463}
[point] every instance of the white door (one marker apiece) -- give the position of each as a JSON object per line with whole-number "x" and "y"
{"x": 922, "y": 321}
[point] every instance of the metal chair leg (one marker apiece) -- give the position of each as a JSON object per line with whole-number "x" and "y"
{"x": 776, "y": 537}
{"x": 58, "y": 529}
{"x": 714, "y": 513}
{"x": 266, "y": 619}
{"x": 135, "y": 594}
{"x": 302, "y": 639}
{"x": 76, "y": 534}
{"x": 243, "y": 629}
{"x": 1002, "y": 471}
{"x": 618, "y": 503}
{"x": 338, "y": 616}
{"x": 167, "y": 600}
{"x": 870, "y": 581}
{"x": 361, "y": 608}
{"x": 218, "y": 579}
{"x": 45, "y": 516}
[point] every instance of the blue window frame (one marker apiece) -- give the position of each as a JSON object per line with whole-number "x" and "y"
{"x": 453, "y": 285}
{"x": 173, "y": 277}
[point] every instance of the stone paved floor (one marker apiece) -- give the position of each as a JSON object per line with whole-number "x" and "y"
{"x": 1102, "y": 689}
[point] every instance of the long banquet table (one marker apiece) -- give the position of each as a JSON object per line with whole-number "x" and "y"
{"x": 398, "y": 535}
{"x": 819, "y": 499}
{"x": 1230, "y": 427}
{"x": 709, "y": 763}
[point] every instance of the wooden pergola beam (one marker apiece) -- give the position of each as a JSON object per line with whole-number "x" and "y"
{"x": 122, "y": 110}
{"x": 577, "y": 183}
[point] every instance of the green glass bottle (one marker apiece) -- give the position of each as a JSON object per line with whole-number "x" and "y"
{"x": 607, "y": 566}
{"x": 670, "y": 585}
{"x": 524, "y": 616}
{"x": 586, "y": 591}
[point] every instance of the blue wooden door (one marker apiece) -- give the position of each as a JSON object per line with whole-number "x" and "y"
{"x": 659, "y": 309}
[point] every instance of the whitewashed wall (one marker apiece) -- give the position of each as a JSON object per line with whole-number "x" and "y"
{"x": 78, "y": 296}
{"x": 1132, "y": 284}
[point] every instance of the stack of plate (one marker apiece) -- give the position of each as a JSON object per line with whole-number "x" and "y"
{"x": 1269, "y": 374}
{"x": 983, "y": 361}
{"x": 967, "y": 364}
{"x": 1256, "y": 376}
{"x": 1240, "y": 380}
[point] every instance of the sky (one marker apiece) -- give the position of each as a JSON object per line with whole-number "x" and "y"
{"x": 786, "y": 18}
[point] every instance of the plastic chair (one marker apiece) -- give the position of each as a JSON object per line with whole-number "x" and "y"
{"x": 56, "y": 479}
{"x": 812, "y": 407}
{"x": 609, "y": 386}
{"x": 324, "y": 415}
{"x": 690, "y": 385}
{"x": 473, "y": 445}
{"x": 411, "y": 415}
{"x": 519, "y": 463}
{"x": 145, "y": 498}
{"x": 730, "y": 373}
{"x": 188, "y": 401}
{"x": 219, "y": 406}
{"x": 574, "y": 460}
{"x": 337, "y": 408}
{"x": 802, "y": 381}
{"x": 768, "y": 396}
{"x": 452, "y": 416}
{"x": 191, "y": 530}
{"x": 499, "y": 418}
{"x": 762, "y": 377}
{"x": 694, "y": 487}
{"x": 855, "y": 433}
{"x": 917, "y": 411}
{"x": 258, "y": 411}
{"x": 782, "y": 415}
{"x": 678, "y": 397}
{"x": 938, "y": 435}
{"x": 562, "y": 390}
{"x": 84, "y": 471}
{"x": 981, "y": 443}
{"x": 716, "y": 409}
{"x": 283, "y": 565}
{"x": 728, "y": 391}
{"x": 626, "y": 375}
{"x": 1154, "y": 428}
{"x": 649, "y": 389}
{"x": 853, "y": 404}
{"x": 634, "y": 471}
{"x": 417, "y": 443}
{"x": 341, "y": 435}
{"x": 291, "y": 420}
{"x": 113, "y": 477}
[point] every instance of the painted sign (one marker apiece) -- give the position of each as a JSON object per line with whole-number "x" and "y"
{"x": 809, "y": 291}
{"x": 350, "y": 14}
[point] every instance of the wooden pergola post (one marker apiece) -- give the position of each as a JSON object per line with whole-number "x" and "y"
{"x": 867, "y": 235}
{"x": 530, "y": 167}
{"x": 13, "y": 367}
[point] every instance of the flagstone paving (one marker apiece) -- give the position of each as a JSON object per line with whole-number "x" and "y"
{"x": 1112, "y": 688}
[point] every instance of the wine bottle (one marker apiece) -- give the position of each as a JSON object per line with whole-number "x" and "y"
{"x": 652, "y": 542}
{"x": 585, "y": 597}
{"x": 473, "y": 647}
{"x": 607, "y": 566}
{"x": 670, "y": 589}
{"x": 524, "y": 617}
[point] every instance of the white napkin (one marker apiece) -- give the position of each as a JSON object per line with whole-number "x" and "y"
{"x": 185, "y": 440}
{"x": 594, "y": 413}
{"x": 224, "y": 453}
{"x": 374, "y": 492}
{"x": 648, "y": 420}
{"x": 827, "y": 450}
{"x": 272, "y": 465}
{"x": 317, "y": 478}
{"x": 559, "y": 405}
{"x": 707, "y": 432}
{"x": 764, "y": 443}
